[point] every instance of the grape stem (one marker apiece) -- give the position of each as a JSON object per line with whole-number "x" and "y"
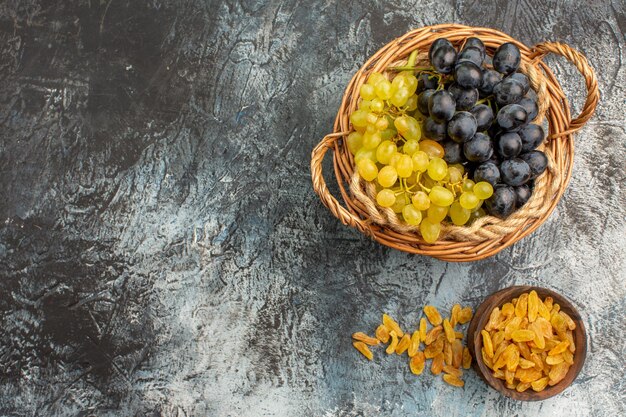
{"x": 412, "y": 58}
{"x": 410, "y": 68}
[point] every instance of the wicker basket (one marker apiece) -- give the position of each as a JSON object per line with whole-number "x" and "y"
{"x": 488, "y": 235}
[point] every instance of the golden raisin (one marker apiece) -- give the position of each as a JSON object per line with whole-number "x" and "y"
{"x": 465, "y": 315}
{"x": 452, "y": 371}
{"x": 526, "y": 364}
{"x": 457, "y": 353}
{"x": 423, "y": 328}
{"x": 521, "y": 307}
{"x": 434, "y": 349}
{"x": 453, "y": 380}
{"x": 560, "y": 348}
{"x": 392, "y": 325}
{"x": 513, "y": 359}
{"x": 447, "y": 353}
{"x": 433, "y": 315}
{"x": 554, "y": 359}
{"x": 558, "y": 322}
{"x": 557, "y": 373}
{"x": 523, "y": 335}
{"x": 543, "y": 310}
{"x": 417, "y": 363}
{"x": 454, "y": 314}
{"x": 499, "y": 374}
{"x": 437, "y": 365}
{"x": 570, "y": 338}
{"x": 403, "y": 344}
{"x": 382, "y": 333}
{"x": 415, "y": 344}
{"x": 571, "y": 325}
{"x": 537, "y": 360}
{"x": 394, "y": 343}
{"x": 504, "y": 357}
{"x": 447, "y": 328}
{"x": 467, "y": 358}
{"x": 487, "y": 343}
{"x": 509, "y": 376}
{"x": 522, "y": 386}
{"x": 458, "y": 335}
{"x": 533, "y": 306}
{"x": 432, "y": 334}
{"x": 568, "y": 357}
{"x": 362, "y": 347}
{"x": 540, "y": 384}
{"x": 524, "y": 350}
{"x": 527, "y": 375}
{"x": 548, "y": 302}
{"x": 497, "y": 338}
{"x": 368, "y": 340}
{"x": 513, "y": 325}
{"x": 494, "y": 319}
{"x": 486, "y": 359}
{"x": 508, "y": 310}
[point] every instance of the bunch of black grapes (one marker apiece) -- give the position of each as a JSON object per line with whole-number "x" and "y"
{"x": 482, "y": 118}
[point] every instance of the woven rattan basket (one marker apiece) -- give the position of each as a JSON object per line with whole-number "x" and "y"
{"x": 487, "y": 235}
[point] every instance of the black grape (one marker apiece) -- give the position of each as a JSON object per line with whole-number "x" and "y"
{"x": 479, "y": 148}
{"x": 515, "y": 172}
{"x": 490, "y": 79}
{"x": 453, "y": 152}
{"x": 462, "y": 127}
{"x": 508, "y": 91}
{"x": 530, "y": 105}
{"x": 512, "y": 117}
{"x": 422, "y": 101}
{"x": 434, "y": 130}
{"x": 502, "y": 202}
{"x": 441, "y": 106}
{"x": 522, "y": 195}
{"x": 465, "y": 98}
{"x": 506, "y": 58}
{"x": 483, "y": 115}
{"x": 426, "y": 81}
{"x": 443, "y": 59}
{"x": 471, "y": 54}
{"x": 508, "y": 145}
{"x": 537, "y": 161}
{"x": 532, "y": 136}
{"x": 487, "y": 171}
{"x": 468, "y": 75}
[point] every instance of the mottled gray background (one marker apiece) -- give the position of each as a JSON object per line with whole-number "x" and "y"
{"x": 162, "y": 251}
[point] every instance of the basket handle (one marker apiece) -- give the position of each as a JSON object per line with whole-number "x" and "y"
{"x": 319, "y": 185}
{"x": 542, "y": 49}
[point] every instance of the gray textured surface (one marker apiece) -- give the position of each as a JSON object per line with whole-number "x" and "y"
{"x": 162, "y": 251}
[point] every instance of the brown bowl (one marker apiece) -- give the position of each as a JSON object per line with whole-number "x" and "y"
{"x": 475, "y": 342}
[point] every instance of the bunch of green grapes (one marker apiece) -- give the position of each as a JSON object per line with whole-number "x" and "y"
{"x": 410, "y": 173}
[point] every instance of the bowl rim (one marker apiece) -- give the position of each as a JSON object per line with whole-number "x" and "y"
{"x": 475, "y": 343}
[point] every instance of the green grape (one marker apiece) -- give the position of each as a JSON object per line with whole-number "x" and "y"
{"x": 400, "y": 97}
{"x": 430, "y": 230}
{"x": 460, "y": 167}
{"x": 371, "y": 140}
{"x": 367, "y": 169}
{"x": 437, "y": 167}
{"x": 388, "y": 133}
{"x": 411, "y": 215}
{"x": 386, "y": 198}
{"x": 387, "y": 176}
{"x": 437, "y": 213}
{"x": 411, "y": 103}
{"x": 377, "y": 105}
{"x": 372, "y": 119}
{"x": 385, "y": 151}
{"x": 404, "y": 166}
{"x": 365, "y": 154}
{"x": 410, "y": 147}
{"x": 408, "y": 127}
{"x": 401, "y": 202}
{"x": 367, "y": 92}
{"x": 476, "y": 214}
{"x": 432, "y": 148}
{"x": 393, "y": 161}
{"x": 359, "y": 118}
{"x": 421, "y": 201}
{"x": 365, "y": 105}
{"x": 483, "y": 190}
{"x": 469, "y": 200}
{"x": 420, "y": 161}
{"x": 375, "y": 78}
{"x": 411, "y": 81}
{"x": 382, "y": 124}
{"x": 383, "y": 89}
{"x": 458, "y": 214}
{"x": 468, "y": 185}
{"x": 355, "y": 142}
{"x": 441, "y": 196}
{"x": 454, "y": 175}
